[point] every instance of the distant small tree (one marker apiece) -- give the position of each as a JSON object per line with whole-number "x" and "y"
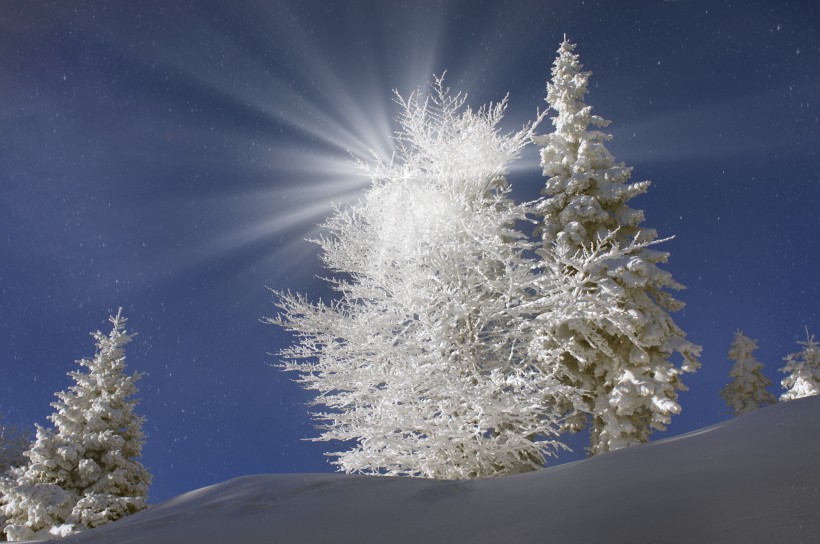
{"x": 624, "y": 364}
{"x": 83, "y": 473}
{"x": 13, "y": 442}
{"x": 802, "y": 371}
{"x": 747, "y": 390}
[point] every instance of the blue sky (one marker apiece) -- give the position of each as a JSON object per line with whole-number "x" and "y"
{"x": 171, "y": 158}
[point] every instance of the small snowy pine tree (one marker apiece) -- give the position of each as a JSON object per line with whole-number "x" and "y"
{"x": 83, "y": 473}
{"x": 747, "y": 390}
{"x": 622, "y": 365}
{"x": 13, "y": 442}
{"x": 802, "y": 371}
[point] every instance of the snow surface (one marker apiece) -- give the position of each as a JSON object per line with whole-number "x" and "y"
{"x": 755, "y": 478}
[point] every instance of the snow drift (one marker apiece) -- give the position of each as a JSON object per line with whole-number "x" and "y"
{"x": 753, "y": 479}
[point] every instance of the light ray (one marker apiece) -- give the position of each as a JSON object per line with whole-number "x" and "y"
{"x": 333, "y": 116}
{"x": 744, "y": 124}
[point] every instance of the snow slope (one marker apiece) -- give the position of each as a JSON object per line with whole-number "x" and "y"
{"x": 753, "y": 479}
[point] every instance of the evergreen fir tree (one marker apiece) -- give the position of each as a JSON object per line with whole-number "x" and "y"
{"x": 747, "y": 390}
{"x": 623, "y": 365}
{"x": 13, "y": 442}
{"x": 83, "y": 473}
{"x": 802, "y": 371}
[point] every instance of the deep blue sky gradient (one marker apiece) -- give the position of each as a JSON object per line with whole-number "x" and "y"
{"x": 170, "y": 158}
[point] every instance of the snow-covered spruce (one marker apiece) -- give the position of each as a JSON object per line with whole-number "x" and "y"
{"x": 623, "y": 365}
{"x": 747, "y": 390}
{"x": 83, "y": 473}
{"x": 422, "y": 359}
{"x": 802, "y": 371}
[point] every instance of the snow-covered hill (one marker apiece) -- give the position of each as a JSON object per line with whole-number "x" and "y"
{"x": 752, "y": 479}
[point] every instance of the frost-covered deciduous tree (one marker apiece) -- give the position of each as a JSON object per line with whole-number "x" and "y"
{"x": 623, "y": 366}
{"x": 802, "y": 371}
{"x": 83, "y": 472}
{"x": 747, "y": 390}
{"x": 422, "y": 361}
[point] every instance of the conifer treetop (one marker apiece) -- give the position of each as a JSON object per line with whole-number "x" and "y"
{"x": 747, "y": 390}
{"x": 566, "y": 91}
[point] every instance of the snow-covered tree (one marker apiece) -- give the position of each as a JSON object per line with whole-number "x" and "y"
{"x": 13, "y": 442}
{"x": 422, "y": 361}
{"x": 747, "y": 390}
{"x": 802, "y": 371}
{"x": 83, "y": 473}
{"x": 623, "y": 365}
